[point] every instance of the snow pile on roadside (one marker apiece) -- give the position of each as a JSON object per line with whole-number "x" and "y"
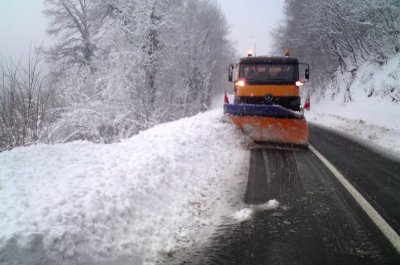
{"x": 370, "y": 114}
{"x": 379, "y": 135}
{"x": 129, "y": 202}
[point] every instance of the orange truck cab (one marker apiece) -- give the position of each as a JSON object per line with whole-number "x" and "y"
{"x": 268, "y": 80}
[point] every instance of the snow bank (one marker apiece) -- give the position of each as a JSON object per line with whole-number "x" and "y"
{"x": 130, "y": 202}
{"x": 371, "y": 113}
{"x": 381, "y": 136}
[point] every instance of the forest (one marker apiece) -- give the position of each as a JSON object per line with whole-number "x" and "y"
{"x": 116, "y": 67}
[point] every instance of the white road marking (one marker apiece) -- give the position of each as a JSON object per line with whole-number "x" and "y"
{"x": 385, "y": 228}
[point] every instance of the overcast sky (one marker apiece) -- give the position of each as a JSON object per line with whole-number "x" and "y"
{"x": 251, "y": 22}
{"x": 22, "y": 22}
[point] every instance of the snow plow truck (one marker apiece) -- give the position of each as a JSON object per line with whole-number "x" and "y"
{"x": 267, "y": 104}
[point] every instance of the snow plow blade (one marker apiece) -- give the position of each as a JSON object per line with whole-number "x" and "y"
{"x": 270, "y": 124}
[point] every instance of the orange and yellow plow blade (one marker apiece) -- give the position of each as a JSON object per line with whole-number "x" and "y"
{"x": 273, "y": 130}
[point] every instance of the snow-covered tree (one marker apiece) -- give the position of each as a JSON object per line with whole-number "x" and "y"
{"x": 76, "y": 25}
{"x": 205, "y": 52}
{"x": 338, "y": 36}
{"x": 153, "y": 61}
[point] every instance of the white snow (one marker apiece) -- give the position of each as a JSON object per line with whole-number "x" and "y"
{"x": 376, "y": 119}
{"x": 269, "y": 205}
{"x": 246, "y": 213}
{"x": 243, "y": 214}
{"x": 125, "y": 203}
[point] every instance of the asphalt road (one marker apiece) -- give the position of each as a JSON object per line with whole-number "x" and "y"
{"x": 376, "y": 176}
{"x": 317, "y": 222}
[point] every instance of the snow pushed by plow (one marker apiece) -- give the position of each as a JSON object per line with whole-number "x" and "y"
{"x": 247, "y": 213}
{"x": 130, "y": 202}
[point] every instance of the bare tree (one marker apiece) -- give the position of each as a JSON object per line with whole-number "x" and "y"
{"x": 24, "y": 99}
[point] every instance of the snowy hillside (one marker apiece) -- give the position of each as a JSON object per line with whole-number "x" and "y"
{"x": 366, "y": 104}
{"x": 134, "y": 201}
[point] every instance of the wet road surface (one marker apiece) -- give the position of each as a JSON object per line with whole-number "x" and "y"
{"x": 376, "y": 176}
{"x": 317, "y": 222}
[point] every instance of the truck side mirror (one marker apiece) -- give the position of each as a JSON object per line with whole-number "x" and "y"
{"x": 230, "y": 75}
{"x": 307, "y": 73}
{"x": 306, "y": 68}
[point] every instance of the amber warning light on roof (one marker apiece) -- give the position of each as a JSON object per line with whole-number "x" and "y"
{"x": 287, "y": 52}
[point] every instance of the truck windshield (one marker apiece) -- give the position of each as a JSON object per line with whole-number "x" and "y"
{"x": 269, "y": 73}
